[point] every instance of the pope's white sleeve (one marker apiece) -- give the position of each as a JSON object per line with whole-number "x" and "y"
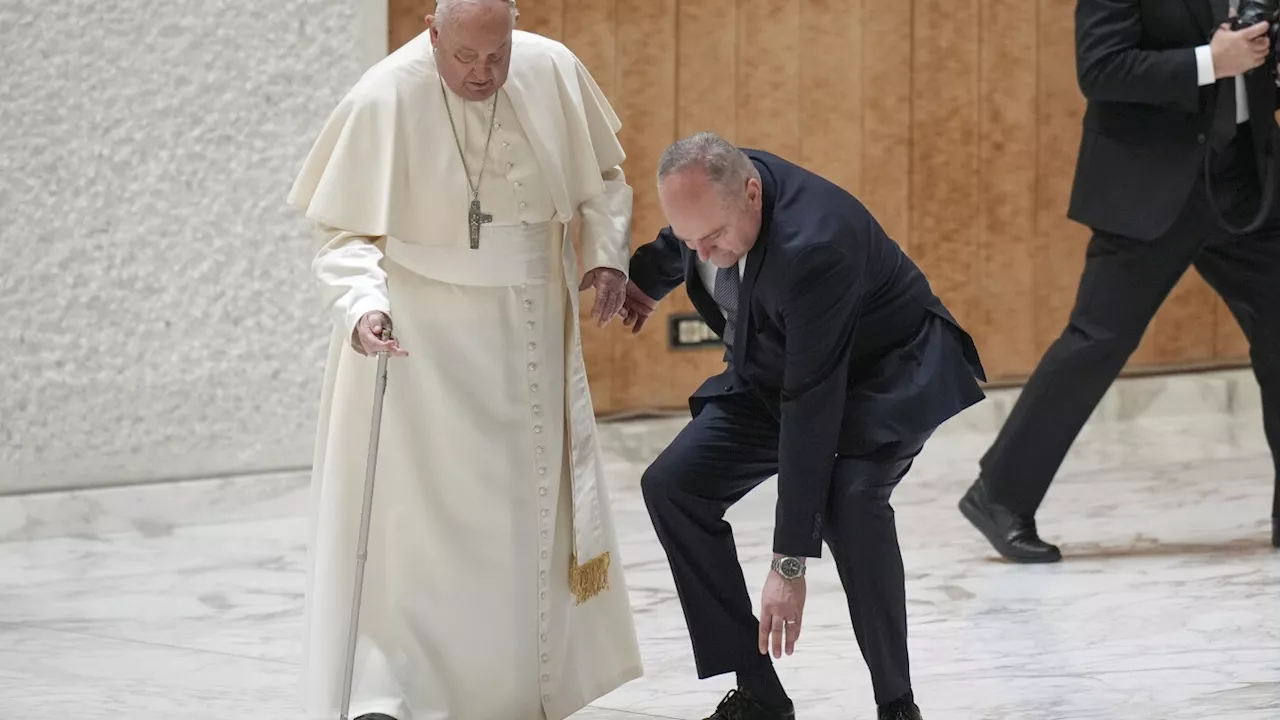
{"x": 350, "y": 277}
{"x": 606, "y": 225}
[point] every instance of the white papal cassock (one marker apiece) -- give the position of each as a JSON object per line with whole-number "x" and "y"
{"x": 493, "y": 588}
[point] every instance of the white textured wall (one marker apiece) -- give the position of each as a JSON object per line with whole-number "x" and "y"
{"x": 157, "y": 318}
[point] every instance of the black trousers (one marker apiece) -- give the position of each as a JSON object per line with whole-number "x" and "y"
{"x": 726, "y": 451}
{"x": 1123, "y": 285}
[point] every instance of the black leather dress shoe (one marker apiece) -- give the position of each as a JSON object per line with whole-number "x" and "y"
{"x": 900, "y": 710}
{"x": 740, "y": 705}
{"x": 375, "y": 716}
{"x": 1012, "y": 535}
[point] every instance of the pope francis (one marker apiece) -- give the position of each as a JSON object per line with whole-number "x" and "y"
{"x": 443, "y": 186}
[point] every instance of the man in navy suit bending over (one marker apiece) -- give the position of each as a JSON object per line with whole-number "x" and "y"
{"x": 841, "y": 364}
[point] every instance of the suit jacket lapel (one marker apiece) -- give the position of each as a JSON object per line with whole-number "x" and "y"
{"x": 755, "y": 259}
{"x": 1221, "y": 9}
{"x": 1204, "y": 12}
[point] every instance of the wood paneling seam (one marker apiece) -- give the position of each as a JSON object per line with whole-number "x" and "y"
{"x": 911, "y": 121}
{"x": 1037, "y": 186}
{"x": 737, "y": 59}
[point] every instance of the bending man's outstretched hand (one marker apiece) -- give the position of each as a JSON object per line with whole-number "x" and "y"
{"x": 781, "y": 614}
{"x": 636, "y": 308}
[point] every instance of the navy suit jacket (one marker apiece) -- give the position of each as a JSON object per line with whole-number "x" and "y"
{"x": 833, "y": 335}
{"x": 1148, "y": 121}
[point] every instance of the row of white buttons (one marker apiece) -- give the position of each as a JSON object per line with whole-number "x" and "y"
{"x": 543, "y": 491}
{"x": 507, "y": 146}
{"x": 540, "y": 451}
{"x": 518, "y": 185}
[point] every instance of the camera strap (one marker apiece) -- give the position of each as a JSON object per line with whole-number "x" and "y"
{"x": 1264, "y": 205}
{"x": 1249, "y": 14}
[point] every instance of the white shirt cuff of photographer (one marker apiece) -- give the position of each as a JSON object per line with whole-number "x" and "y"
{"x": 1205, "y": 76}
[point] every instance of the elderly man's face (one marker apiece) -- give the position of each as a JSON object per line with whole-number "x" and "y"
{"x": 719, "y": 225}
{"x": 473, "y": 50}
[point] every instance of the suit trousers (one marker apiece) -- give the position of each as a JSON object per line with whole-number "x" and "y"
{"x": 725, "y": 452}
{"x": 1125, "y": 281}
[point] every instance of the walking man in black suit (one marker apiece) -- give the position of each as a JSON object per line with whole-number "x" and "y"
{"x": 841, "y": 363}
{"x": 1166, "y": 83}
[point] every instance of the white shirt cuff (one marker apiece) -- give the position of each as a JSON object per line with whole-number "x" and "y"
{"x": 1205, "y": 74}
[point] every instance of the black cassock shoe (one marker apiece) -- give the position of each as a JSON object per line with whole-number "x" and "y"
{"x": 740, "y": 705}
{"x": 375, "y": 716}
{"x": 900, "y": 710}
{"x": 1013, "y": 536}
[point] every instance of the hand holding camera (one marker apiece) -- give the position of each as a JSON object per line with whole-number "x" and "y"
{"x": 1247, "y": 40}
{"x": 1238, "y": 51}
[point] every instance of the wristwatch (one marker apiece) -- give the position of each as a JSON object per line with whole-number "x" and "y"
{"x": 789, "y": 568}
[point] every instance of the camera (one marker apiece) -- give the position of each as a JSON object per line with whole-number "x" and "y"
{"x": 1252, "y": 12}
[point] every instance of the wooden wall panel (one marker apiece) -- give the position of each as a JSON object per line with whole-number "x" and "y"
{"x": 944, "y": 150}
{"x": 1007, "y": 138}
{"x": 830, "y": 84}
{"x": 707, "y": 59}
{"x": 590, "y": 28}
{"x": 1059, "y": 244}
{"x": 956, "y": 122}
{"x": 707, "y": 68}
{"x": 544, "y": 17}
{"x": 885, "y": 54}
{"x": 645, "y": 98}
{"x": 768, "y": 76}
{"x": 1229, "y": 341}
{"x": 405, "y": 19}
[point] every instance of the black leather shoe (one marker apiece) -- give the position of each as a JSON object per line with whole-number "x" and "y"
{"x": 740, "y": 705}
{"x": 1275, "y": 532}
{"x": 900, "y": 710}
{"x": 1012, "y": 535}
{"x": 375, "y": 716}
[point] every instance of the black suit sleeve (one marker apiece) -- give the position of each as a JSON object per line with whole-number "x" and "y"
{"x": 820, "y": 309}
{"x": 1112, "y": 67}
{"x": 657, "y": 268}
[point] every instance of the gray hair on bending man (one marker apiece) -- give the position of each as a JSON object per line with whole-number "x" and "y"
{"x": 724, "y": 165}
{"x": 711, "y": 195}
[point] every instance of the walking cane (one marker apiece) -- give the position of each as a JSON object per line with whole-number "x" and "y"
{"x": 362, "y": 551}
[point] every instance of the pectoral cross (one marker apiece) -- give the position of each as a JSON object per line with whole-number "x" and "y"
{"x": 476, "y": 218}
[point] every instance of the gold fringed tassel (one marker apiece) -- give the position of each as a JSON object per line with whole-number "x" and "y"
{"x": 588, "y": 581}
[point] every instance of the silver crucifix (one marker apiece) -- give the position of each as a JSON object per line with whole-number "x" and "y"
{"x": 476, "y": 218}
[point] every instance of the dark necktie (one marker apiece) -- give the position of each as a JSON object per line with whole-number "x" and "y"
{"x": 1224, "y": 114}
{"x": 726, "y": 296}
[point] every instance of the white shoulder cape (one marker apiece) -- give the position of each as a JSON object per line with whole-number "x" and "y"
{"x": 388, "y": 144}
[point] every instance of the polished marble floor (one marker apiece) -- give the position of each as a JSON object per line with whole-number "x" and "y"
{"x": 1167, "y": 606}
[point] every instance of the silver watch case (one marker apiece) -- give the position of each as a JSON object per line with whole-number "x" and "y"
{"x": 788, "y": 567}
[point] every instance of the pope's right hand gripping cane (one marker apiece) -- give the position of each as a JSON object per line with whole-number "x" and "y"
{"x": 362, "y": 552}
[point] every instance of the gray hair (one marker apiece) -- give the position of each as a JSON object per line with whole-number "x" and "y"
{"x": 446, "y": 8}
{"x": 726, "y": 167}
